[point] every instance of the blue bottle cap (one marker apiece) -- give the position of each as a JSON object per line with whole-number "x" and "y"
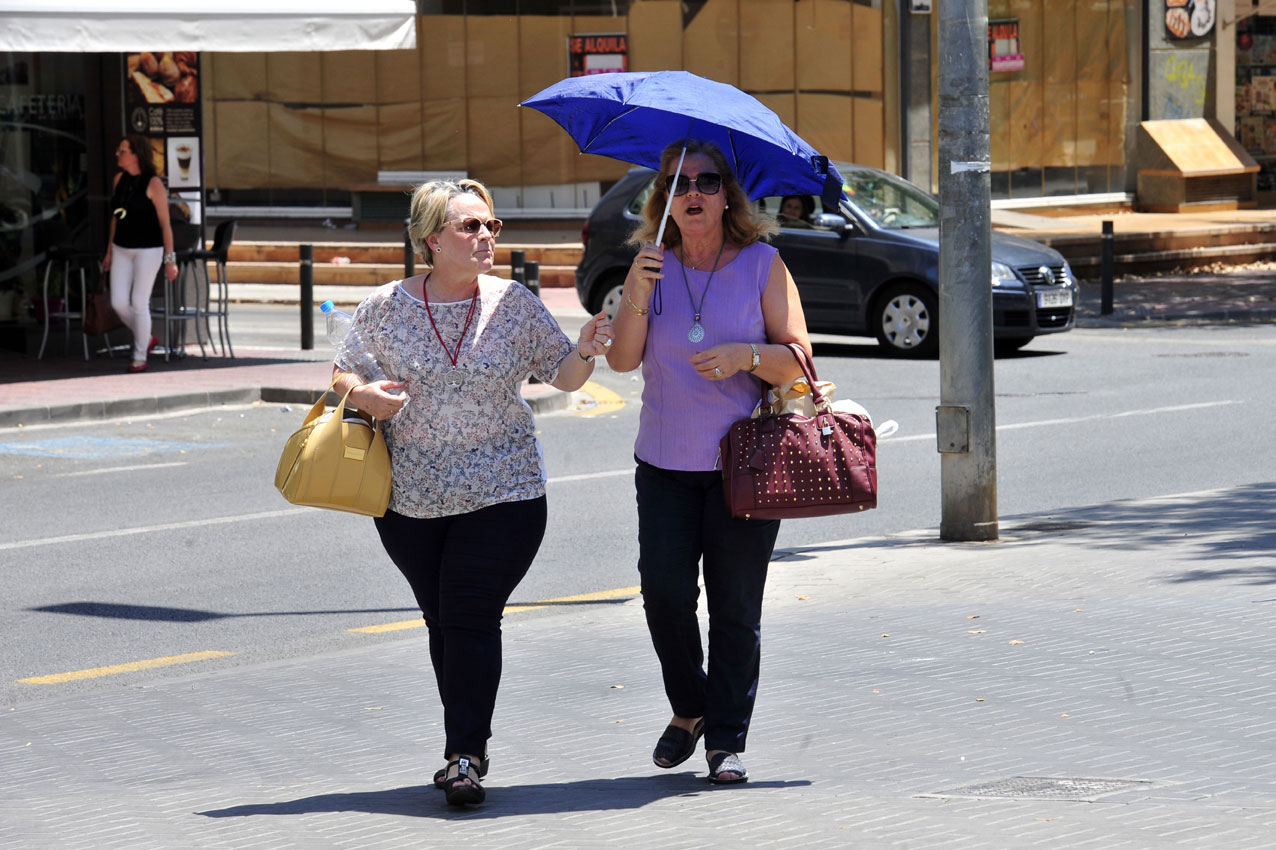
{"x": 327, "y": 306}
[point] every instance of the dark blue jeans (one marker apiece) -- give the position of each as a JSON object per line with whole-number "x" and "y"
{"x": 682, "y": 519}
{"x": 462, "y": 570}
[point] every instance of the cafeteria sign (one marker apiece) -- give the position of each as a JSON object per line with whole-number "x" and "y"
{"x": 606, "y": 53}
{"x": 1003, "y": 45}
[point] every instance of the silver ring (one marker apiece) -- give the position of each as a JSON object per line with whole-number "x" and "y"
{"x": 606, "y": 342}
{"x": 717, "y": 371}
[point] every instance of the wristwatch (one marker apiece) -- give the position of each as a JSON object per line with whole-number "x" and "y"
{"x": 757, "y": 356}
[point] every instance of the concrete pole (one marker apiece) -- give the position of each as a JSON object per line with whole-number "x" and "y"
{"x": 966, "y": 416}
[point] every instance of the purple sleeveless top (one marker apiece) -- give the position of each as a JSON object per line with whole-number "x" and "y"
{"x": 684, "y": 416}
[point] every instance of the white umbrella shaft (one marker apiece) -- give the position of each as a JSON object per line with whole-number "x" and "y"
{"x": 660, "y": 234}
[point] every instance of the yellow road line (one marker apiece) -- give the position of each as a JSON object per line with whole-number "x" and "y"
{"x": 511, "y": 609}
{"x": 131, "y": 667}
{"x": 605, "y": 401}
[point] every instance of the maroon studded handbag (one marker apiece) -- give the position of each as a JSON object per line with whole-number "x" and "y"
{"x": 786, "y": 465}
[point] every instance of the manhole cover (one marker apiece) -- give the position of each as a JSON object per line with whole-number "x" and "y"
{"x": 1045, "y": 788}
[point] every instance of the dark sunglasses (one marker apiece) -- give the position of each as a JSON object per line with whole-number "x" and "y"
{"x": 471, "y": 226}
{"x": 707, "y": 183}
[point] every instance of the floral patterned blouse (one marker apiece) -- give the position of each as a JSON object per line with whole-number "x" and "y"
{"x": 456, "y": 450}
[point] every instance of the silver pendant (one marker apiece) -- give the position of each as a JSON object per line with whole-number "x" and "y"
{"x": 454, "y": 378}
{"x": 696, "y": 333}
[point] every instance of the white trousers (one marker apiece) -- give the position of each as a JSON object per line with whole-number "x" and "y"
{"x": 133, "y": 272}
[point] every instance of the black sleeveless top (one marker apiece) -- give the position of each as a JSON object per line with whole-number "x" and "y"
{"x": 140, "y": 227}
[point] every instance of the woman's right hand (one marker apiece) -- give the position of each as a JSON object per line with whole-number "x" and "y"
{"x": 106, "y": 262}
{"x": 379, "y": 399}
{"x": 646, "y": 270}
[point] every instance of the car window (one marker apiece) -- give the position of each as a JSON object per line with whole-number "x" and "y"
{"x": 795, "y": 218}
{"x": 640, "y": 200}
{"x": 890, "y": 201}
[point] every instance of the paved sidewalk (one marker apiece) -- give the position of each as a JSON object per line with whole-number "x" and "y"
{"x": 1101, "y": 678}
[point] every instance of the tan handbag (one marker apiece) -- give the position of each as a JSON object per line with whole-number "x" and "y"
{"x": 337, "y": 461}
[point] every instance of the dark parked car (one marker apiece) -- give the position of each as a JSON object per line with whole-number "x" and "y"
{"x": 869, "y": 269}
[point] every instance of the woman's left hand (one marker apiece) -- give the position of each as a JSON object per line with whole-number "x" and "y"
{"x": 722, "y": 361}
{"x": 595, "y": 336}
{"x": 170, "y": 271}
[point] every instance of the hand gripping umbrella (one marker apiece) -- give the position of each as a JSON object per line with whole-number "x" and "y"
{"x": 634, "y": 116}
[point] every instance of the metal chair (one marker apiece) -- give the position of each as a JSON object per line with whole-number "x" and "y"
{"x": 76, "y": 259}
{"x": 217, "y": 307}
{"x": 176, "y": 311}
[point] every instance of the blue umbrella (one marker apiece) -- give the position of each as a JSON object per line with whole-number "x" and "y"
{"x": 634, "y": 116}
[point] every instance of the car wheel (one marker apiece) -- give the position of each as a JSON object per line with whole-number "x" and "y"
{"x": 611, "y": 290}
{"x": 906, "y": 320}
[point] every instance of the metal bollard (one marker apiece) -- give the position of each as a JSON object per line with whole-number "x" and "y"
{"x": 1105, "y": 268}
{"x": 409, "y": 256}
{"x": 307, "y": 296}
{"x": 532, "y": 277}
{"x": 517, "y": 259}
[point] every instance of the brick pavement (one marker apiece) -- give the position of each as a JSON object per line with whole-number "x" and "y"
{"x": 1129, "y": 642}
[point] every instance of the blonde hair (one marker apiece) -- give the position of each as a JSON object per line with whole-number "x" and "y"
{"x": 741, "y": 221}
{"x": 429, "y": 210}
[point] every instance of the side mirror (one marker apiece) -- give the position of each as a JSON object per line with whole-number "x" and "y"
{"x": 831, "y": 221}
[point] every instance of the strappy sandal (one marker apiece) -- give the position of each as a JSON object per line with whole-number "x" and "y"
{"x": 724, "y": 762}
{"x": 471, "y": 791}
{"x": 676, "y": 745}
{"x": 441, "y": 773}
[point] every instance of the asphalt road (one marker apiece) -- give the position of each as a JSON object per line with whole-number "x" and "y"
{"x": 134, "y": 540}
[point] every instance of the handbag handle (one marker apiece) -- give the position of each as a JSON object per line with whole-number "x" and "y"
{"x": 319, "y": 406}
{"x": 808, "y": 370}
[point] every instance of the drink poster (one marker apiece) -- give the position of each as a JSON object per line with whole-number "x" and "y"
{"x": 162, "y": 102}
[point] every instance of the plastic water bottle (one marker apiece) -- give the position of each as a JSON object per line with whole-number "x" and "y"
{"x": 353, "y": 350}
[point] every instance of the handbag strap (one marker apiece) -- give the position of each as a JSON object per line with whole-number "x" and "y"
{"x": 319, "y": 406}
{"x": 808, "y": 370}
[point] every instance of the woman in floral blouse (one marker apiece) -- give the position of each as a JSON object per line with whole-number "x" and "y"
{"x": 467, "y": 508}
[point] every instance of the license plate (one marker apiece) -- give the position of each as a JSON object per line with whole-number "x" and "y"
{"x": 1054, "y": 297}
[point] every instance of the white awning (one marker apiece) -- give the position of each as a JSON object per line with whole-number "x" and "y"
{"x": 124, "y": 26}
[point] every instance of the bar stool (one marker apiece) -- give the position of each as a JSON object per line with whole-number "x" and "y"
{"x": 176, "y": 312}
{"x": 75, "y": 261}
{"x": 218, "y": 307}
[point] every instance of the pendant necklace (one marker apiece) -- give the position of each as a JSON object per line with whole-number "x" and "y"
{"x": 697, "y": 330}
{"x": 454, "y": 377}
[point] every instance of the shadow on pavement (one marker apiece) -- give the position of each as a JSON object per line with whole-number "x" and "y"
{"x": 1212, "y": 527}
{"x": 586, "y": 795}
{"x": 156, "y": 613}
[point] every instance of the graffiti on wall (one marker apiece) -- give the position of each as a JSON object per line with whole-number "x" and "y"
{"x": 1178, "y": 83}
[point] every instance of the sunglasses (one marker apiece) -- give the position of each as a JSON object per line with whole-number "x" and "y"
{"x": 471, "y": 226}
{"x": 707, "y": 183}
{"x": 123, "y": 150}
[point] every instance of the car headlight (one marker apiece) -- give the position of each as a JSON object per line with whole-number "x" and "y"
{"x": 1003, "y": 275}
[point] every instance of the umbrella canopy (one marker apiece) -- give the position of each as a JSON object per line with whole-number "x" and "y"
{"x": 634, "y": 116}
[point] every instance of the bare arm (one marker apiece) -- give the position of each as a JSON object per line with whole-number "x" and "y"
{"x": 574, "y": 371}
{"x": 784, "y": 321}
{"x": 110, "y": 232}
{"x": 155, "y": 191}
{"x": 375, "y": 399}
{"x": 631, "y": 317}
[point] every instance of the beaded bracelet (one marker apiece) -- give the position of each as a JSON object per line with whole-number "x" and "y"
{"x": 170, "y": 256}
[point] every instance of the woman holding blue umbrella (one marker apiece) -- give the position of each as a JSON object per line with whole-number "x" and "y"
{"x": 706, "y": 315}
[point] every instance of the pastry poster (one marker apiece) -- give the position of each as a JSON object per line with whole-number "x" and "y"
{"x": 1189, "y": 18}
{"x": 161, "y": 93}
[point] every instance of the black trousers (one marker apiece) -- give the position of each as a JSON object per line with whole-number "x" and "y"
{"x": 462, "y": 570}
{"x": 682, "y": 519}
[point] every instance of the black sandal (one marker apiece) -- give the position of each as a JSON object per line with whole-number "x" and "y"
{"x": 725, "y": 762}
{"x": 462, "y": 795}
{"x": 676, "y": 745}
{"x": 441, "y": 773}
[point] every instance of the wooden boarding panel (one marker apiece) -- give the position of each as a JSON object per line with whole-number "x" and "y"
{"x": 1192, "y": 147}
